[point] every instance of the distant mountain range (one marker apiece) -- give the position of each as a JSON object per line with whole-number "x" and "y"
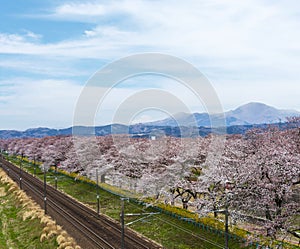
{"x": 249, "y": 114}
{"x": 237, "y": 121}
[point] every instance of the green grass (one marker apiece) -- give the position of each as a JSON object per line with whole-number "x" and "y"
{"x": 162, "y": 228}
{"x": 16, "y": 233}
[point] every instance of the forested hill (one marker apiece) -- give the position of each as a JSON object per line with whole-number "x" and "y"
{"x": 137, "y": 130}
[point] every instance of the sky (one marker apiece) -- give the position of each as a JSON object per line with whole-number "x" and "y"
{"x": 248, "y": 50}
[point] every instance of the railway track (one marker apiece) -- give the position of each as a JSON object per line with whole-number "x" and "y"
{"x": 88, "y": 228}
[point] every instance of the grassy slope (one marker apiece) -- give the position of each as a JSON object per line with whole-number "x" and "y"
{"x": 16, "y": 232}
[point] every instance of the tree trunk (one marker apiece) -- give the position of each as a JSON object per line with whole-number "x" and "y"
{"x": 278, "y": 202}
{"x": 215, "y": 211}
{"x": 268, "y": 213}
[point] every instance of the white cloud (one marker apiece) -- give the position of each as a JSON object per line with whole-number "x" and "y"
{"x": 77, "y": 10}
{"x": 248, "y": 30}
{"x": 28, "y": 103}
{"x": 32, "y": 35}
{"x": 43, "y": 66}
{"x": 80, "y": 9}
{"x": 250, "y": 49}
{"x": 90, "y": 33}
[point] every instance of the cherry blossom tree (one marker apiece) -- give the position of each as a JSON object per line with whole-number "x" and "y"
{"x": 263, "y": 169}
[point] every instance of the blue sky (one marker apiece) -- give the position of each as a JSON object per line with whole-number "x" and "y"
{"x": 249, "y": 50}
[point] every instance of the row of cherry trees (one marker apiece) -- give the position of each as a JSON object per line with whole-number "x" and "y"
{"x": 257, "y": 174}
{"x": 262, "y": 172}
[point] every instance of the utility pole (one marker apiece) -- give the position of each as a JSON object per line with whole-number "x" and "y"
{"x": 226, "y": 213}
{"x": 55, "y": 176}
{"x": 34, "y": 166}
{"x": 98, "y": 196}
{"x": 123, "y": 225}
{"x": 228, "y": 188}
{"x": 122, "y": 216}
{"x": 226, "y": 223}
{"x": 20, "y": 180}
{"x": 45, "y": 190}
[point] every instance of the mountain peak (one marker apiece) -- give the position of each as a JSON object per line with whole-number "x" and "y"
{"x": 253, "y": 107}
{"x": 258, "y": 113}
{"x": 254, "y": 104}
